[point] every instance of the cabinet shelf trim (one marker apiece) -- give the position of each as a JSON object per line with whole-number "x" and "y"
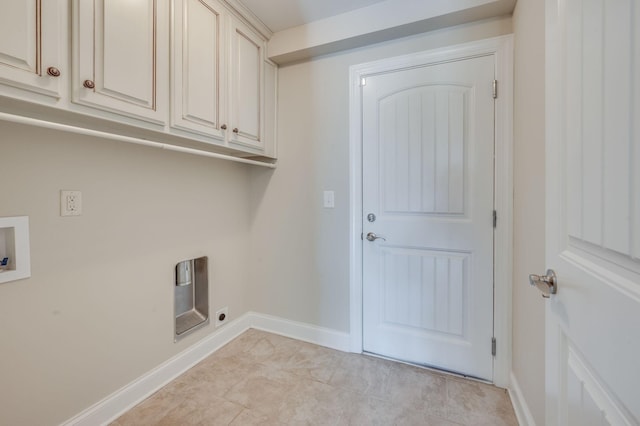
{"x": 145, "y": 142}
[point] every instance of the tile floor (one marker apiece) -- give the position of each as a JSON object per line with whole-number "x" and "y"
{"x": 265, "y": 379}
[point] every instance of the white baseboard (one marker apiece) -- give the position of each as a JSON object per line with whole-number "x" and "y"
{"x": 113, "y": 406}
{"x": 520, "y": 406}
{"x": 301, "y": 331}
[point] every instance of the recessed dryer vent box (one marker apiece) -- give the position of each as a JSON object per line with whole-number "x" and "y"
{"x": 15, "y": 263}
{"x": 191, "y": 296}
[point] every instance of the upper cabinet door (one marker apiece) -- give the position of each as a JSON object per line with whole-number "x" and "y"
{"x": 116, "y": 62}
{"x": 246, "y": 88}
{"x": 30, "y": 45}
{"x": 197, "y": 80}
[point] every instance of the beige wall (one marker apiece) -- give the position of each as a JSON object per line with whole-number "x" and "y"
{"x": 528, "y": 306}
{"x": 97, "y": 310}
{"x": 302, "y": 272}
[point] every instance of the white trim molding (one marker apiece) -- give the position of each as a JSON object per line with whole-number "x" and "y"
{"x": 12, "y": 118}
{"x": 520, "y": 406}
{"x": 116, "y": 404}
{"x": 301, "y": 331}
{"x": 501, "y": 48}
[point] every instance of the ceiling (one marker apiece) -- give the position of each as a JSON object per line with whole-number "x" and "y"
{"x": 279, "y": 15}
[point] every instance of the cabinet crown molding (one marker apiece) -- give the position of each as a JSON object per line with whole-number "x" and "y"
{"x": 243, "y": 12}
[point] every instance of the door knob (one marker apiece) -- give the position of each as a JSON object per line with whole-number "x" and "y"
{"x": 372, "y": 237}
{"x": 89, "y": 84}
{"x": 547, "y": 284}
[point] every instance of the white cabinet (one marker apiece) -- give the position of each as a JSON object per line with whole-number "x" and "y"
{"x": 119, "y": 56}
{"x": 30, "y": 45}
{"x": 246, "y": 87}
{"x": 182, "y": 72}
{"x": 197, "y": 57}
{"x": 222, "y": 88}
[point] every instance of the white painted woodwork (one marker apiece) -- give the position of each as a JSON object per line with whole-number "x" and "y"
{"x": 593, "y": 196}
{"x": 428, "y": 149}
{"x": 198, "y": 84}
{"x": 116, "y": 45}
{"x": 11, "y": 118}
{"x": 246, "y": 87}
{"x": 270, "y": 108}
{"x": 165, "y": 74}
{"x": 29, "y": 44}
{"x": 428, "y": 155}
{"x": 209, "y": 44}
{"x": 19, "y": 35}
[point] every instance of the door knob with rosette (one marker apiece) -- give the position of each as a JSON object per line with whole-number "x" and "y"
{"x": 372, "y": 237}
{"x": 547, "y": 284}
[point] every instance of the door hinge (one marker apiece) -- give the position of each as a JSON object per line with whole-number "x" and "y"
{"x": 363, "y": 82}
{"x": 495, "y": 89}
{"x": 493, "y": 346}
{"x": 495, "y": 219}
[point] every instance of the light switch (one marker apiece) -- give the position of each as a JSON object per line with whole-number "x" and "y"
{"x": 329, "y": 199}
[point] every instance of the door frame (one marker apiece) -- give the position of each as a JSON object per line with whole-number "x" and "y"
{"x": 501, "y": 48}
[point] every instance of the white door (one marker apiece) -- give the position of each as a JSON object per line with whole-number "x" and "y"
{"x": 593, "y": 212}
{"x": 428, "y": 169}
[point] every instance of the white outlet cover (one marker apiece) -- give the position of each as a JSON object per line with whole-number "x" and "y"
{"x": 70, "y": 203}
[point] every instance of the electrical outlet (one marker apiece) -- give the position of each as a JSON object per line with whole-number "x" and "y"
{"x": 70, "y": 203}
{"x": 222, "y": 316}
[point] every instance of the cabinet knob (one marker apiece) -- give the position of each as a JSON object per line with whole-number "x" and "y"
{"x": 53, "y": 72}
{"x": 89, "y": 84}
{"x": 235, "y": 130}
{"x": 223, "y": 127}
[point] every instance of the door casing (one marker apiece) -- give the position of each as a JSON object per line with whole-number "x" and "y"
{"x": 501, "y": 48}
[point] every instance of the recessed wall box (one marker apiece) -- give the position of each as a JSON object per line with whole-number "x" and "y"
{"x": 15, "y": 263}
{"x": 191, "y": 291}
